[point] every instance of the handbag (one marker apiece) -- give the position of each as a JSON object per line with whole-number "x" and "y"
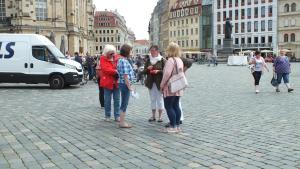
{"x": 274, "y": 81}
{"x": 177, "y": 81}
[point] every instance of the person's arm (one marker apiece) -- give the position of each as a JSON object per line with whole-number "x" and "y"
{"x": 252, "y": 61}
{"x": 126, "y": 67}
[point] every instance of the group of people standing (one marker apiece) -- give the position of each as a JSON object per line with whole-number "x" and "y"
{"x": 116, "y": 77}
{"x": 281, "y": 70}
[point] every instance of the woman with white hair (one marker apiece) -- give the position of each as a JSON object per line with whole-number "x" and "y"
{"x": 109, "y": 81}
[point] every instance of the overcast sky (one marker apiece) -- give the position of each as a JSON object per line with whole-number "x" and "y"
{"x": 137, "y": 13}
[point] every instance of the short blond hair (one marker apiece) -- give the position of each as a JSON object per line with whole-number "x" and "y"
{"x": 109, "y": 48}
{"x": 173, "y": 50}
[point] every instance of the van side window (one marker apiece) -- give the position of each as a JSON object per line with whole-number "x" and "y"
{"x": 41, "y": 53}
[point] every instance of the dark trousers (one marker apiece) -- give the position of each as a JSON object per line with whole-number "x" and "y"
{"x": 173, "y": 110}
{"x": 257, "y": 76}
{"x": 101, "y": 94}
{"x": 91, "y": 72}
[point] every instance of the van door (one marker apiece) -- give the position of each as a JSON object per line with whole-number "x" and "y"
{"x": 41, "y": 65}
{"x": 14, "y": 62}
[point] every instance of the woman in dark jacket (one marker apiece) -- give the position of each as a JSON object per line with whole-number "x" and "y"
{"x": 154, "y": 69}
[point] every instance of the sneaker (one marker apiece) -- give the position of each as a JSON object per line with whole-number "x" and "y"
{"x": 290, "y": 90}
{"x": 167, "y": 125}
{"x": 107, "y": 119}
{"x": 152, "y": 119}
{"x": 256, "y": 91}
{"x": 277, "y": 90}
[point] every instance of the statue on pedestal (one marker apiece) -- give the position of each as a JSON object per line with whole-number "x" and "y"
{"x": 228, "y": 29}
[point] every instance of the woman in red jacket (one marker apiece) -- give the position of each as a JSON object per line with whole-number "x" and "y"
{"x": 109, "y": 81}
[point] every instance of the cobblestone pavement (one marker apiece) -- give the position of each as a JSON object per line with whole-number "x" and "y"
{"x": 226, "y": 126}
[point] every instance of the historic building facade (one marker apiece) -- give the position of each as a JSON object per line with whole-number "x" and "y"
{"x": 289, "y": 26}
{"x": 110, "y": 28}
{"x": 69, "y": 24}
{"x": 254, "y": 23}
{"x": 184, "y": 19}
{"x": 141, "y": 48}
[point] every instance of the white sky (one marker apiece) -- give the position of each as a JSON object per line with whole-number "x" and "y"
{"x": 137, "y": 13}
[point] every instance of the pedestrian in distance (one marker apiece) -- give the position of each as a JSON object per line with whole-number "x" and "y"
{"x": 258, "y": 65}
{"x": 90, "y": 65}
{"x": 126, "y": 79}
{"x": 154, "y": 72}
{"x": 282, "y": 68}
{"x": 109, "y": 81}
{"x": 171, "y": 100}
{"x": 101, "y": 89}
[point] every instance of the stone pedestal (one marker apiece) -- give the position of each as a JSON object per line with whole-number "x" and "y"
{"x": 226, "y": 51}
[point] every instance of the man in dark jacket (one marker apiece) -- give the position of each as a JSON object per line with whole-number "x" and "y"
{"x": 78, "y": 58}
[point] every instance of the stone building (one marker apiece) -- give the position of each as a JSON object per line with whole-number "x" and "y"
{"x": 184, "y": 19}
{"x": 289, "y": 26}
{"x": 68, "y": 23}
{"x": 110, "y": 28}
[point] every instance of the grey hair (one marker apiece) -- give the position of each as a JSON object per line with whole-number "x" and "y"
{"x": 108, "y": 48}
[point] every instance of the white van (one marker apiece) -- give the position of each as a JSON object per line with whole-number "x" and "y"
{"x": 32, "y": 58}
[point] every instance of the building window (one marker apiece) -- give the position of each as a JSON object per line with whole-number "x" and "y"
{"x": 219, "y": 16}
{"x": 219, "y": 41}
{"x": 236, "y": 3}
{"x": 242, "y": 40}
{"x": 293, "y": 38}
{"x": 100, "y": 31}
{"x": 224, "y": 3}
{"x": 249, "y": 27}
{"x": 179, "y": 43}
{"x": 107, "y": 39}
{"x": 236, "y": 41}
{"x": 182, "y": 32}
{"x": 255, "y": 26}
{"x": 170, "y": 33}
{"x": 111, "y": 31}
{"x": 178, "y": 32}
{"x": 263, "y": 11}
{"x": 196, "y": 43}
{"x": 41, "y": 10}
{"x": 111, "y": 39}
{"x": 192, "y": 31}
{"x": 186, "y": 21}
{"x": 182, "y": 22}
{"x": 286, "y": 8}
{"x": 263, "y": 39}
{"x": 170, "y": 24}
{"x": 192, "y": 43}
{"x": 230, "y": 15}
{"x": 293, "y": 6}
{"x": 187, "y": 31}
{"x": 248, "y": 13}
{"x": 270, "y": 25}
{"x": 249, "y": 40}
{"x": 174, "y": 33}
{"x": 293, "y": 22}
{"x": 286, "y": 23}
{"x": 242, "y": 27}
{"x": 270, "y": 39}
{"x": 187, "y": 43}
{"x": 243, "y": 14}
{"x": 196, "y": 30}
{"x": 96, "y": 39}
{"x": 192, "y": 20}
{"x": 236, "y": 14}
{"x": 196, "y": 10}
{"x": 2, "y": 10}
{"x": 270, "y": 11}
{"x": 236, "y": 27}
{"x": 182, "y": 43}
{"x": 224, "y": 15}
{"x": 263, "y": 26}
{"x": 242, "y": 2}
{"x": 230, "y": 3}
{"x": 286, "y": 38}
{"x": 219, "y": 28}
{"x": 255, "y": 39}
{"x": 256, "y": 12}
{"x": 96, "y": 48}
{"x": 249, "y": 2}
{"x": 255, "y": 1}
{"x": 100, "y": 39}
{"x": 219, "y": 4}
{"x": 100, "y": 48}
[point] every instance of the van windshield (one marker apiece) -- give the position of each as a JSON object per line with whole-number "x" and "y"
{"x": 57, "y": 53}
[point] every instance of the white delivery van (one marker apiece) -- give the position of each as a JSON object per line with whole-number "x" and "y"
{"x": 32, "y": 59}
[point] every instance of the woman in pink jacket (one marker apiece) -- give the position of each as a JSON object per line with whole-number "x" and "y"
{"x": 171, "y": 100}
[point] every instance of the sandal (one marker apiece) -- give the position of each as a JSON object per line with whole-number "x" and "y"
{"x": 159, "y": 120}
{"x": 152, "y": 119}
{"x": 126, "y": 125}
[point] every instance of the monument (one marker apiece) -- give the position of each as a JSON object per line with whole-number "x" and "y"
{"x": 227, "y": 48}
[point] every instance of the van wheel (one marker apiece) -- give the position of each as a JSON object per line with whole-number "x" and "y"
{"x": 57, "y": 82}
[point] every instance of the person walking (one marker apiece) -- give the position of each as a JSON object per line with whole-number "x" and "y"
{"x": 90, "y": 62}
{"x": 171, "y": 100}
{"x": 109, "y": 81}
{"x": 282, "y": 68}
{"x": 101, "y": 89}
{"x": 126, "y": 77}
{"x": 258, "y": 64}
{"x": 154, "y": 69}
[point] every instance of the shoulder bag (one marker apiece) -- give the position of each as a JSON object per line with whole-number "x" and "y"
{"x": 177, "y": 81}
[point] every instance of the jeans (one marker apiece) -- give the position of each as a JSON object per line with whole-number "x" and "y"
{"x": 173, "y": 110}
{"x": 257, "y": 76}
{"x": 285, "y": 77}
{"x": 125, "y": 95}
{"x": 107, "y": 102}
{"x": 91, "y": 71}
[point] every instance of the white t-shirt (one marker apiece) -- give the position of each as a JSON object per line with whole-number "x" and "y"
{"x": 259, "y": 66}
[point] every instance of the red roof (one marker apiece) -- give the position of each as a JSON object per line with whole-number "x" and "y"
{"x": 142, "y": 42}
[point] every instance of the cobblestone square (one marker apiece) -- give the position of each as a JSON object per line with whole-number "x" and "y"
{"x": 226, "y": 125}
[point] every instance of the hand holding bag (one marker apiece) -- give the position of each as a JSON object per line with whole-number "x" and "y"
{"x": 274, "y": 81}
{"x": 177, "y": 81}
